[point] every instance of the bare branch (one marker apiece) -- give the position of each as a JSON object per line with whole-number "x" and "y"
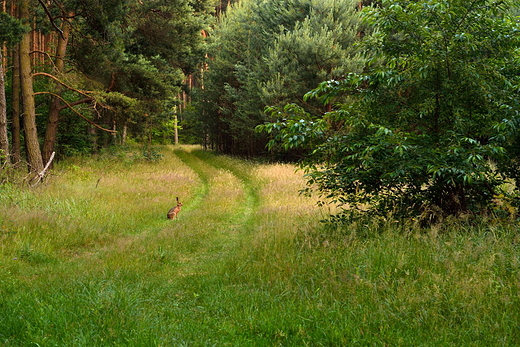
{"x": 82, "y": 92}
{"x": 76, "y": 112}
{"x": 59, "y": 81}
{"x": 41, "y": 52}
{"x": 51, "y": 18}
{"x": 41, "y": 174}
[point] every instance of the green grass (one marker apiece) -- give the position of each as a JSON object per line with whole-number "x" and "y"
{"x": 89, "y": 259}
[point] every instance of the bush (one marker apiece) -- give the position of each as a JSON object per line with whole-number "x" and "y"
{"x": 418, "y": 132}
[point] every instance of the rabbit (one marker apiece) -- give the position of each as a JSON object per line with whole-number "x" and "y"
{"x": 174, "y": 211}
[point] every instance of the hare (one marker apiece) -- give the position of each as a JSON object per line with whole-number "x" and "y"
{"x": 174, "y": 211}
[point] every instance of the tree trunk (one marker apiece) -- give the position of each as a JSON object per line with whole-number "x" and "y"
{"x": 51, "y": 130}
{"x": 123, "y": 134}
{"x": 32, "y": 146}
{"x": 4, "y": 140}
{"x": 16, "y": 156}
{"x": 93, "y": 138}
{"x": 176, "y": 130}
{"x": 114, "y": 133}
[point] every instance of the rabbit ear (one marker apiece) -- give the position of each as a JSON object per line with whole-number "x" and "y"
{"x": 177, "y": 199}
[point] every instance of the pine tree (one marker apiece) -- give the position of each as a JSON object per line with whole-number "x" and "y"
{"x": 10, "y": 32}
{"x": 270, "y": 52}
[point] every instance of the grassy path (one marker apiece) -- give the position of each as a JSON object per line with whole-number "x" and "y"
{"x": 242, "y": 171}
{"x": 209, "y": 168}
{"x": 221, "y": 207}
{"x": 130, "y": 274}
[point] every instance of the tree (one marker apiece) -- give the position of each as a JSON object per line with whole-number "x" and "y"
{"x": 112, "y": 62}
{"x": 157, "y": 44}
{"x": 32, "y": 146}
{"x": 418, "y": 133}
{"x": 266, "y": 52}
{"x": 56, "y": 104}
{"x": 10, "y": 32}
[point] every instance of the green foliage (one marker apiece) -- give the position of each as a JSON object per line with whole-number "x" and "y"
{"x": 171, "y": 31}
{"x": 144, "y": 51}
{"x": 192, "y": 128}
{"x": 270, "y": 53}
{"x": 418, "y": 132}
{"x": 319, "y": 47}
{"x": 11, "y": 29}
{"x": 116, "y": 100}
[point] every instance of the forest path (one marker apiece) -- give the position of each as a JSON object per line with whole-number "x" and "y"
{"x": 220, "y": 211}
{"x": 97, "y": 258}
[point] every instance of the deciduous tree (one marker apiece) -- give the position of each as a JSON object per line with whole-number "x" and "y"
{"x": 420, "y": 131}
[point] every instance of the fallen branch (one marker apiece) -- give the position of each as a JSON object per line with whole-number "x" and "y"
{"x": 41, "y": 174}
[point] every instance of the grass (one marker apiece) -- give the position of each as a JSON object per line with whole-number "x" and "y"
{"x": 89, "y": 259}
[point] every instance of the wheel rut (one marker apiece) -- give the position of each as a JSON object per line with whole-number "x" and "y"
{"x": 203, "y": 171}
{"x": 221, "y": 211}
{"x": 245, "y": 215}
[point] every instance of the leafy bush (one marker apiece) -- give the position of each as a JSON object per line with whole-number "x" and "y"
{"x": 418, "y": 132}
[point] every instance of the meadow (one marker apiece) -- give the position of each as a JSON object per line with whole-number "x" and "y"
{"x": 88, "y": 258}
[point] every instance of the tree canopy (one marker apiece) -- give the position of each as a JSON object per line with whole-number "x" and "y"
{"x": 120, "y": 65}
{"x": 271, "y": 52}
{"x": 402, "y": 106}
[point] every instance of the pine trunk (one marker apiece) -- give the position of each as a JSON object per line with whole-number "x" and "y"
{"x": 32, "y": 146}
{"x": 4, "y": 141}
{"x": 55, "y": 107}
{"x": 15, "y": 97}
